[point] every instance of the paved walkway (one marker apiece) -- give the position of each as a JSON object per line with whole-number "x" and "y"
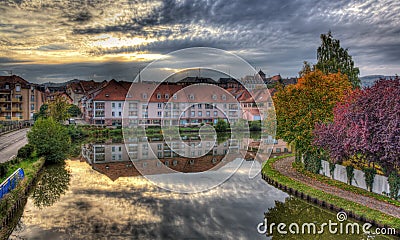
{"x": 284, "y": 166}
{"x": 11, "y": 142}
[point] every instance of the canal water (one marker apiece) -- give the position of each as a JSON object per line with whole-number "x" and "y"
{"x": 102, "y": 196}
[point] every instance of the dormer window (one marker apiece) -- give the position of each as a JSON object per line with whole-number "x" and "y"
{"x": 7, "y": 86}
{"x": 166, "y": 96}
{"x": 191, "y": 97}
{"x": 175, "y": 96}
{"x": 158, "y": 95}
{"x": 144, "y": 96}
{"x": 214, "y": 97}
{"x": 18, "y": 88}
{"x": 224, "y": 97}
{"x": 107, "y": 95}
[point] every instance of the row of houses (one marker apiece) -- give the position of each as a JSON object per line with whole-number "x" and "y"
{"x": 182, "y": 102}
{"x": 150, "y": 104}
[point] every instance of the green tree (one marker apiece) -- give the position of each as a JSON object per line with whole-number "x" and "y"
{"x": 74, "y": 110}
{"x": 58, "y": 109}
{"x": 221, "y": 126}
{"x": 50, "y": 138}
{"x": 42, "y": 112}
{"x": 332, "y": 58}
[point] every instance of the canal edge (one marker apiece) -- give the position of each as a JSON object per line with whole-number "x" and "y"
{"x": 16, "y": 208}
{"x": 315, "y": 200}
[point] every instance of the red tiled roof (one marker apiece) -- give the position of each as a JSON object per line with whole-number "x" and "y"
{"x": 113, "y": 91}
{"x": 12, "y": 80}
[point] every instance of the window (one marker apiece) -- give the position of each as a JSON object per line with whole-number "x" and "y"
{"x": 214, "y": 97}
{"x": 159, "y": 146}
{"x": 191, "y": 97}
{"x": 278, "y": 150}
{"x": 32, "y": 107}
{"x": 113, "y": 149}
{"x": 132, "y": 105}
{"x": 144, "y": 96}
{"x": 208, "y": 113}
{"x": 223, "y": 97}
{"x": 159, "y": 105}
{"x": 215, "y": 113}
{"x": 119, "y": 105}
{"x": 199, "y": 106}
{"x": 159, "y": 114}
{"x": 192, "y": 113}
{"x": 200, "y": 113}
{"x": 175, "y": 96}
{"x": 120, "y": 114}
{"x": 113, "y": 114}
{"x": 158, "y": 95}
{"x": 32, "y": 98}
{"x": 113, "y": 105}
{"x": 166, "y": 96}
{"x": 18, "y": 88}
{"x": 132, "y": 113}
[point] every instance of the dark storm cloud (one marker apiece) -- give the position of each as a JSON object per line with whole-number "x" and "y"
{"x": 39, "y": 73}
{"x": 273, "y": 35}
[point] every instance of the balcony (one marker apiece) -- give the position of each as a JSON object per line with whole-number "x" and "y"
{"x": 17, "y": 99}
{"x": 5, "y": 109}
{"x": 16, "y": 118}
{"x": 16, "y": 109}
{"x": 4, "y": 100}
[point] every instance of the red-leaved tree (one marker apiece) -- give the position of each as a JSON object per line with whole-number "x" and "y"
{"x": 366, "y": 124}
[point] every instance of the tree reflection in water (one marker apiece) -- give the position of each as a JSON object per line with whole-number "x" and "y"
{"x": 296, "y": 210}
{"x": 53, "y": 183}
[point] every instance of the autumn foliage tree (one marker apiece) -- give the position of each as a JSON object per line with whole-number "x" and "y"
{"x": 367, "y": 125}
{"x": 299, "y": 107}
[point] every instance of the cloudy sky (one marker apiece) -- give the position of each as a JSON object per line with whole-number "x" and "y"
{"x": 48, "y": 40}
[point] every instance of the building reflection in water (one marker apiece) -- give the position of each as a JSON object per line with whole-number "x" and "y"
{"x": 143, "y": 157}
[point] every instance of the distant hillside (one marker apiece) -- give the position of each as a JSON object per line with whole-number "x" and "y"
{"x": 369, "y": 80}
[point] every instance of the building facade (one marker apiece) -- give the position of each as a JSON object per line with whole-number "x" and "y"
{"x": 19, "y": 99}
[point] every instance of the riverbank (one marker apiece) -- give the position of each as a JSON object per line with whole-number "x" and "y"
{"x": 12, "y": 204}
{"x": 280, "y": 173}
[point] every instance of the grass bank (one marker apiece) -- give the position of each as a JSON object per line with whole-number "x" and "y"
{"x": 335, "y": 183}
{"x": 344, "y": 204}
{"x": 10, "y": 204}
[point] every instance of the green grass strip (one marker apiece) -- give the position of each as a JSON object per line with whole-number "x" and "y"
{"x": 347, "y": 205}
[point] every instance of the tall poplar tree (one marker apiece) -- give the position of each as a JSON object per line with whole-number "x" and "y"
{"x": 332, "y": 58}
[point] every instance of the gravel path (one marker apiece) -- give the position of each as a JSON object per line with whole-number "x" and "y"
{"x": 284, "y": 166}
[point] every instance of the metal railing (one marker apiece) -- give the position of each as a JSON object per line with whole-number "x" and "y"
{"x": 11, "y": 182}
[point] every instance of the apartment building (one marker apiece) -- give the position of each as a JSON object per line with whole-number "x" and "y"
{"x": 19, "y": 99}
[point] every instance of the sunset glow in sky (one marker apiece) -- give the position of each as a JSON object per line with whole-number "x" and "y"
{"x": 46, "y": 40}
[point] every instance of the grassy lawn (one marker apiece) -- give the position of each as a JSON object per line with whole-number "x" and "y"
{"x": 328, "y": 198}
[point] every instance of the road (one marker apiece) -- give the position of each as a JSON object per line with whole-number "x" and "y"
{"x": 10, "y": 143}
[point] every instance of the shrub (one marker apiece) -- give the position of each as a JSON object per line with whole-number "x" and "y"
{"x": 369, "y": 177}
{"x": 394, "y": 184}
{"x": 3, "y": 169}
{"x": 350, "y": 174}
{"x": 25, "y": 151}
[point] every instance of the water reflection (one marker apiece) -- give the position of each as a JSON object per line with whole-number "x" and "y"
{"x": 298, "y": 211}
{"x": 209, "y": 163}
{"x": 53, "y": 183}
{"x": 95, "y": 207}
